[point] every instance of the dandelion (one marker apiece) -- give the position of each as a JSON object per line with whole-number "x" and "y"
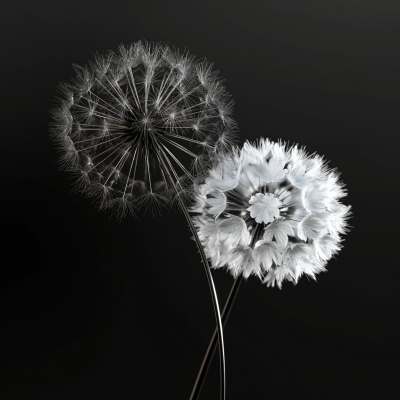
{"x": 130, "y": 112}
{"x": 269, "y": 211}
{"x": 125, "y": 122}
{"x": 281, "y": 208}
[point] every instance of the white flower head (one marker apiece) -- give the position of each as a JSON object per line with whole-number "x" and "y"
{"x": 271, "y": 211}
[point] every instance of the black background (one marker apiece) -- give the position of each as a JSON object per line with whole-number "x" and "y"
{"x": 96, "y": 309}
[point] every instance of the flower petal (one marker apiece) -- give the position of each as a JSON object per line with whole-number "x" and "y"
{"x": 271, "y": 171}
{"x": 226, "y": 175}
{"x": 241, "y": 260}
{"x": 207, "y": 229}
{"x": 278, "y": 275}
{"x": 217, "y": 203}
{"x": 267, "y": 253}
{"x": 336, "y": 218}
{"x": 326, "y": 246}
{"x": 314, "y": 198}
{"x": 224, "y": 249}
{"x": 298, "y": 174}
{"x": 264, "y": 208}
{"x": 233, "y": 230}
{"x": 311, "y": 227}
{"x": 292, "y": 254}
{"x": 279, "y": 229}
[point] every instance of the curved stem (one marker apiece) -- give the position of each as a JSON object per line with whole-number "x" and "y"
{"x": 201, "y": 376}
{"x": 208, "y": 273}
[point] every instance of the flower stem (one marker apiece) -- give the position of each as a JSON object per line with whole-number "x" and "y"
{"x": 205, "y": 365}
{"x": 201, "y": 376}
{"x": 208, "y": 273}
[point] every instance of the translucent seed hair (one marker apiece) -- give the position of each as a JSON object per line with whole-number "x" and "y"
{"x": 129, "y": 118}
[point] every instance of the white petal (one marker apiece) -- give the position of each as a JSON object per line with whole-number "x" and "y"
{"x": 205, "y": 189}
{"x": 264, "y": 148}
{"x": 326, "y": 247}
{"x": 314, "y": 198}
{"x": 336, "y": 218}
{"x": 241, "y": 260}
{"x": 264, "y": 208}
{"x": 279, "y": 229}
{"x": 279, "y": 151}
{"x": 223, "y": 184}
{"x": 249, "y": 177}
{"x": 198, "y": 207}
{"x": 226, "y": 175}
{"x": 267, "y": 253}
{"x": 294, "y": 252}
{"x": 309, "y": 266}
{"x": 224, "y": 249}
{"x": 271, "y": 171}
{"x": 217, "y": 203}
{"x": 233, "y": 230}
{"x": 207, "y": 229}
{"x": 313, "y": 164}
{"x": 278, "y": 275}
{"x": 253, "y": 151}
{"x": 311, "y": 227}
{"x": 298, "y": 176}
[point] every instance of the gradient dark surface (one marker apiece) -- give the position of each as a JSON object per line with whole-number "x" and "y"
{"x": 96, "y": 309}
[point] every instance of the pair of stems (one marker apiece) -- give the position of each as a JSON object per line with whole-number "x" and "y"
{"x": 205, "y": 366}
{"x": 208, "y": 357}
{"x": 221, "y": 319}
{"x": 217, "y": 312}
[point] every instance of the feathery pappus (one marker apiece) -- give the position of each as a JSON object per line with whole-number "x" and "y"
{"x": 271, "y": 211}
{"x": 132, "y": 117}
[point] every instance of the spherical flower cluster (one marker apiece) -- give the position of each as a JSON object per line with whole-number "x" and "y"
{"x": 271, "y": 211}
{"x": 128, "y": 110}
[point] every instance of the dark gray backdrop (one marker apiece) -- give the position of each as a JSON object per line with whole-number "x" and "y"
{"x": 96, "y": 309}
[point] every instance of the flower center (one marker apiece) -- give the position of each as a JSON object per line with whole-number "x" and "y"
{"x": 264, "y": 207}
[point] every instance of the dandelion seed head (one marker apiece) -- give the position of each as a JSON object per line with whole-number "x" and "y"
{"x": 128, "y": 120}
{"x": 270, "y": 211}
